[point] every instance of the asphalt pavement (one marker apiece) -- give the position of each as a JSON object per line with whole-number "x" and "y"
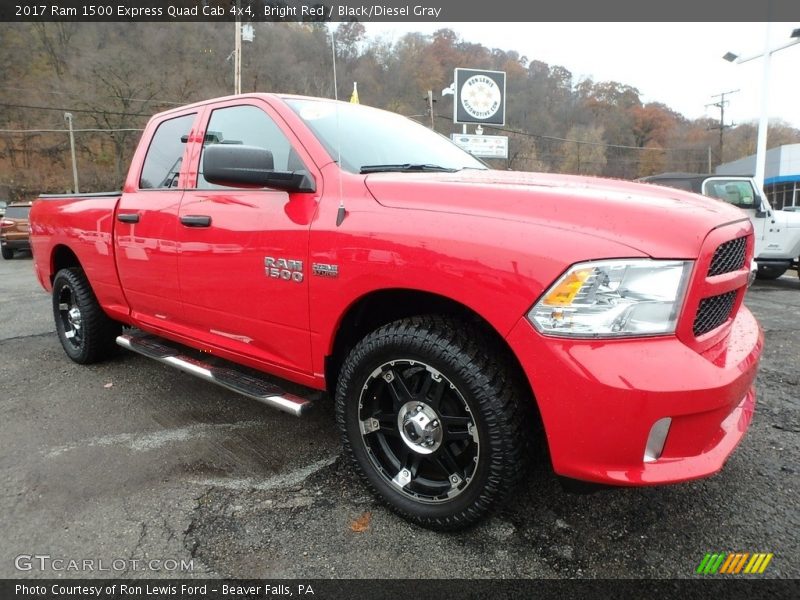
{"x": 133, "y": 462}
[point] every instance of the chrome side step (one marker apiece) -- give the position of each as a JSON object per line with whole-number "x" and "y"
{"x": 228, "y": 376}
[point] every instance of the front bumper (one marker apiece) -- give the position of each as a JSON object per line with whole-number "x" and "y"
{"x": 599, "y": 400}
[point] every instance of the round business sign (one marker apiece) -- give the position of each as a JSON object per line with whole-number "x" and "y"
{"x": 481, "y": 97}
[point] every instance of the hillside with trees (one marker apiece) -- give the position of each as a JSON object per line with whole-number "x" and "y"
{"x": 113, "y": 76}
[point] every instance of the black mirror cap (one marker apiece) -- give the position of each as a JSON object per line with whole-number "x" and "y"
{"x": 237, "y": 165}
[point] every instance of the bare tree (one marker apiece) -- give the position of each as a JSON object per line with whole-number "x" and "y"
{"x": 585, "y": 154}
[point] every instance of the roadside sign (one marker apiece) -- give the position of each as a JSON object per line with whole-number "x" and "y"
{"x": 480, "y": 97}
{"x": 485, "y": 146}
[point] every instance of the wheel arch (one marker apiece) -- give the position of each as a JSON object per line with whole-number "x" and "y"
{"x": 62, "y": 257}
{"x": 380, "y": 307}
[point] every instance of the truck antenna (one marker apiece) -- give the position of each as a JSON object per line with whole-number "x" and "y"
{"x": 341, "y": 213}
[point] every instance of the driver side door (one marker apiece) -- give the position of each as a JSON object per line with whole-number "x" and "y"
{"x": 243, "y": 253}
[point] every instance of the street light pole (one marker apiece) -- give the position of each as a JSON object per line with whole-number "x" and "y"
{"x": 68, "y": 119}
{"x": 763, "y": 122}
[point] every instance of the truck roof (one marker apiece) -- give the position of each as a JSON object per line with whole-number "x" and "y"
{"x": 235, "y": 96}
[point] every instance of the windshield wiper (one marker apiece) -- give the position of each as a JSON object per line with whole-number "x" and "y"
{"x": 403, "y": 168}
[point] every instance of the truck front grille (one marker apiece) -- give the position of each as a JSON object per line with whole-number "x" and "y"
{"x": 713, "y": 312}
{"x": 728, "y": 257}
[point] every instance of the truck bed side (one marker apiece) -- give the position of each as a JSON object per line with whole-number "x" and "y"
{"x": 66, "y": 229}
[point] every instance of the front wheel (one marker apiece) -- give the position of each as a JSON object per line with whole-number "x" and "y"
{"x": 86, "y": 333}
{"x": 433, "y": 418}
{"x": 8, "y": 253}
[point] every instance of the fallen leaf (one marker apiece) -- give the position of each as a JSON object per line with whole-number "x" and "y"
{"x": 108, "y": 385}
{"x": 361, "y": 524}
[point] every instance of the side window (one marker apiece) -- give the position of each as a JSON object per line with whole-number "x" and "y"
{"x": 251, "y": 126}
{"x": 162, "y": 164}
{"x": 738, "y": 193}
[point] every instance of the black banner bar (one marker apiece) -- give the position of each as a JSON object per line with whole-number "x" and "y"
{"x": 730, "y": 588}
{"x": 398, "y": 10}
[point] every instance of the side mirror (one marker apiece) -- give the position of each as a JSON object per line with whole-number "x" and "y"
{"x": 237, "y": 165}
{"x": 762, "y": 210}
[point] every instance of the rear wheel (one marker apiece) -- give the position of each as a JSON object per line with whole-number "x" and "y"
{"x": 433, "y": 419}
{"x": 86, "y": 333}
{"x": 8, "y": 253}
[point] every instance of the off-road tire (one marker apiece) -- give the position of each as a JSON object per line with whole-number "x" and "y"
{"x": 98, "y": 332}
{"x": 8, "y": 253}
{"x": 499, "y": 403}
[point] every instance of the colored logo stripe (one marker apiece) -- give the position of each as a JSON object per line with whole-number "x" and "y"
{"x": 733, "y": 563}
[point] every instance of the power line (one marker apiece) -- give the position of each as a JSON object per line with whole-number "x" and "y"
{"x": 75, "y": 95}
{"x": 560, "y": 139}
{"x": 77, "y": 110}
{"x": 31, "y": 131}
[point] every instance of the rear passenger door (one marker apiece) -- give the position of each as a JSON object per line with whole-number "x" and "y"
{"x": 232, "y": 240}
{"x": 146, "y": 222}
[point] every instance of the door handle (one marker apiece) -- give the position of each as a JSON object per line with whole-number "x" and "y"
{"x": 196, "y": 220}
{"x": 128, "y": 217}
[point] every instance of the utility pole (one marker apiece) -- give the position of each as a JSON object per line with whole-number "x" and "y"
{"x": 68, "y": 119}
{"x": 720, "y": 104}
{"x": 237, "y": 54}
{"x": 430, "y": 108}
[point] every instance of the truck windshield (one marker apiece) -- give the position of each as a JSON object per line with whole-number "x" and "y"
{"x": 372, "y": 140}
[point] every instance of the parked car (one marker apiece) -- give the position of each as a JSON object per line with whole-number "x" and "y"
{"x": 447, "y": 308}
{"x": 777, "y": 232}
{"x": 14, "y": 229}
{"x": 3, "y": 205}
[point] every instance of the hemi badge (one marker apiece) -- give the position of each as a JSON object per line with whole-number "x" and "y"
{"x": 325, "y": 270}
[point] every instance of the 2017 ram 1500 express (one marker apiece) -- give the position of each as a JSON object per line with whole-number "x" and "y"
{"x": 453, "y": 312}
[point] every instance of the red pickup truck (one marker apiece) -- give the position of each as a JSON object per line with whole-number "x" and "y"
{"x": 453, "y": 312}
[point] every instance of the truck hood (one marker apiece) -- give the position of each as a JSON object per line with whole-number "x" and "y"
{"x": 658, "y": 221}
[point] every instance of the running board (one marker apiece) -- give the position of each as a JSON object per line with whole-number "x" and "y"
{"x": 228, "y": 376}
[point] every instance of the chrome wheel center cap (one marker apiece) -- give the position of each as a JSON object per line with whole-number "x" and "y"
{"x": 74, "y": 316}
{"x": 420, "y": 427}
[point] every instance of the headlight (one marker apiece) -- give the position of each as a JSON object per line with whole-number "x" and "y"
{"x": 614, "y": 298}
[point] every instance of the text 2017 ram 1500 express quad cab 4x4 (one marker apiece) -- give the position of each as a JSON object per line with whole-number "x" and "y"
{"x": 453, "y": 312}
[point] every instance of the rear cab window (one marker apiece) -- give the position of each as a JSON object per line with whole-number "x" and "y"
{"x": 162, "y": 163}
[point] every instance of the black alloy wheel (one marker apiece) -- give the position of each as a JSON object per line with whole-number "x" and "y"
{"x": 435, "y": 419}
{"x": 86, "y": 333}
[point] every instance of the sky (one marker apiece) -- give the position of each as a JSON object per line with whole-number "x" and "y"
{"x": 678, "y": 64}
